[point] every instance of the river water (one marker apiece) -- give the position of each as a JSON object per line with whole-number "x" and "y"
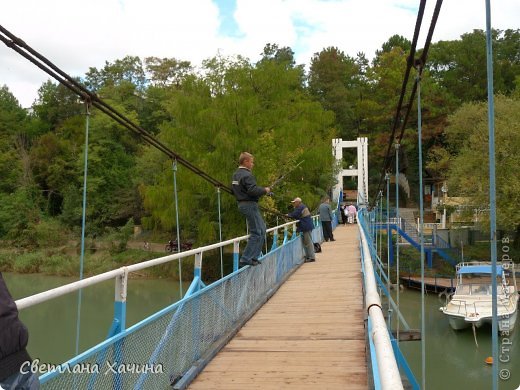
{"x": 453, "y": 361}
{"x": 52, "y": 325}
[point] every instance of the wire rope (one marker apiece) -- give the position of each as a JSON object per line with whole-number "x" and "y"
{"x": 174, "y": 168}
{"x": 220, "y": 233}
{"x": 83, "y": 223}
{"x": 398, "y": 224}
{"x": 492, "y": 195}
{"x": 421, "y": 231}
{"x": 410, "y": 62}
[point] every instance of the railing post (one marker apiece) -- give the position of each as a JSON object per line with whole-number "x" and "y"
{"x": 275, "y": 240}
{"x": 285, "y": 234}
{"x": 293, "y": 230}
{"x": 119, "y": 323}
{"x": 236, "y": 255}
{"x": 120, "y": 302}
{"x": 197, "y": 271}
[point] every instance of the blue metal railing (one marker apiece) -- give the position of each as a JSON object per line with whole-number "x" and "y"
{"x": 370, "y": 254}
{"x": 174, "y": 340}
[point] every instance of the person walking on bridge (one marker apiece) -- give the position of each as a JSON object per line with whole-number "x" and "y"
{"x": 304, "y": 225}
{"x": 247, "y": 193}
{"x": 326, "y": 219}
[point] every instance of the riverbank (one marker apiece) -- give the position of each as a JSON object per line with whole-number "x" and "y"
{"x": 105, "y": 256}
{"x": 65, "y": 261}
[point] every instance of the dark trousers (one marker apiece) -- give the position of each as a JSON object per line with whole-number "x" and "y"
{"x": 256, "y": 230}
{"x": 327, "y": 230}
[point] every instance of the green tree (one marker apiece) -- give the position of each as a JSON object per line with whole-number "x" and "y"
{"x": 460, "y": 65}
{"x": 237, "y": 106}
{"x": 395, "y": 41}
{"x": 469, "y": 175}
{"x": 13, "y": 119}
{"x": 334, "y": 80}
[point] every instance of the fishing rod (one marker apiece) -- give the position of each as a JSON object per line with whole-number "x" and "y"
{"x": 281, "y": 178}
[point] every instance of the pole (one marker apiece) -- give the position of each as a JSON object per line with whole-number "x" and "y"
{"x": 421, "y": 228}
{"x": 398, "y": 224}
{"x": 492, "y": 195}
{"x": 177, "y": 223}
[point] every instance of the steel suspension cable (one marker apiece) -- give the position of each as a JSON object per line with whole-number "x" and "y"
{"x": 174, "y": 167}
{"x": 421, "y": 232}
{"x": 47, "y": 66}
{"x": 388, "y": 240}
{"x": 492, "y": 197}
{"x": 409, "y": 65}
{"x": 422, "y": 61}
{"x": 220, "y": 233}
{"x": 83, "y": 223}
{"x": 398, "y": 225}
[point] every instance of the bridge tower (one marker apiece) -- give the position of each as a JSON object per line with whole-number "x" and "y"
{"x": 359, "y": 168}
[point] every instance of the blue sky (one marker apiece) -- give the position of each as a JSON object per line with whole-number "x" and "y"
{"x": 228, "y": 25}
{"x": 76, "y": 35}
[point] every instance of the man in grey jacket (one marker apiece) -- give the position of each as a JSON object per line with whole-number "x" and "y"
{"x": 248, "y": 193}
{"x": 326, "y": 219}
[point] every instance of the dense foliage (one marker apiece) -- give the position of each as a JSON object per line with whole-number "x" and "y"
{"x": 274, "y": 109}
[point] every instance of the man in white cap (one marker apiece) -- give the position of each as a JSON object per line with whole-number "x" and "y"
{"x": 304, "y": 225}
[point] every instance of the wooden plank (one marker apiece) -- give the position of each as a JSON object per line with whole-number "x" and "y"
{"x": 310, "y": 334}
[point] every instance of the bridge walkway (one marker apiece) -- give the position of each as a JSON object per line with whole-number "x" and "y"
{"x": 310, "y": 334}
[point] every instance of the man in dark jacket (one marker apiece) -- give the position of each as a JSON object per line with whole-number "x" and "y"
{"x": 14, "y": 374}
{"x": 326, "y": 219}
{"x": 247, "y": 194}
{"x": 304, "y": 225}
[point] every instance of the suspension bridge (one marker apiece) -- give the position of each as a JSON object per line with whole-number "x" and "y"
{"x": 282, "y": 324}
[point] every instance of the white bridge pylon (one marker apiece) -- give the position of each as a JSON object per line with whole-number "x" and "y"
{"x": 361, "y": 170}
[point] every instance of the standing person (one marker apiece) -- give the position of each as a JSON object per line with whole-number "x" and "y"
{"x": 344, "y": 213}
{"x": 304, "y": 225}
{"x": 351, "y": 213}
{"x": 326, "y": 219}
{"x": 247, "y": 194}
{"x": 15, "y": 371}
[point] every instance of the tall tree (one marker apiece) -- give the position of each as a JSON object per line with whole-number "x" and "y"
{"x": 237, "y": 106}
{"x": 469, "y": 175}
{"x": 460, "y": 65}
{"x": 334, "y": 81}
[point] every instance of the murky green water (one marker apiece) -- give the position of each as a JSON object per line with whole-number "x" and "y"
{"x": 52, "y": 324}
{"x": 452, "y": 359}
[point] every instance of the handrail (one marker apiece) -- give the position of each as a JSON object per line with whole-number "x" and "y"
{"x": 35, "y": 299}
{"x": 386, "y": 362}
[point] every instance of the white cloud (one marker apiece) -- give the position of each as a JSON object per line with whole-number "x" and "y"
{"x": 76, "y": 35}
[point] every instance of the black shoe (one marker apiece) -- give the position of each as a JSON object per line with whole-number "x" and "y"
{"x": 252, "y": 263}
{"x": 309, "y": 260}
{"x": 333, "y": 239}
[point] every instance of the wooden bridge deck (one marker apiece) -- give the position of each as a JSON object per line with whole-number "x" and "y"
{"x": 310, "y": 334}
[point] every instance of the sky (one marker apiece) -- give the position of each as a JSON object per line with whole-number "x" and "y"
{"x": 76, "y": 35}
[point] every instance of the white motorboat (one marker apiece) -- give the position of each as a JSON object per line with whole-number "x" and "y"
{"x": 471, "y": 303}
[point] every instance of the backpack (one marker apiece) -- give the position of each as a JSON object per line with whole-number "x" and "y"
{"x": 317, "y": 247}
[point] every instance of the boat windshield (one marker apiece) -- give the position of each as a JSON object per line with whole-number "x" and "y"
{"x": 474, "y": 289}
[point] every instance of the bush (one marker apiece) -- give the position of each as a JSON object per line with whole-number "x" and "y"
{"x": 6, "y": 261}
{"x": 59, "y": 264}
{"x": 50, "y": 233}
{"x": 28, "y": 262}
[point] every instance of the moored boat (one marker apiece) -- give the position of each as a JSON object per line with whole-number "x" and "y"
{"x": 471, "y": 303}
